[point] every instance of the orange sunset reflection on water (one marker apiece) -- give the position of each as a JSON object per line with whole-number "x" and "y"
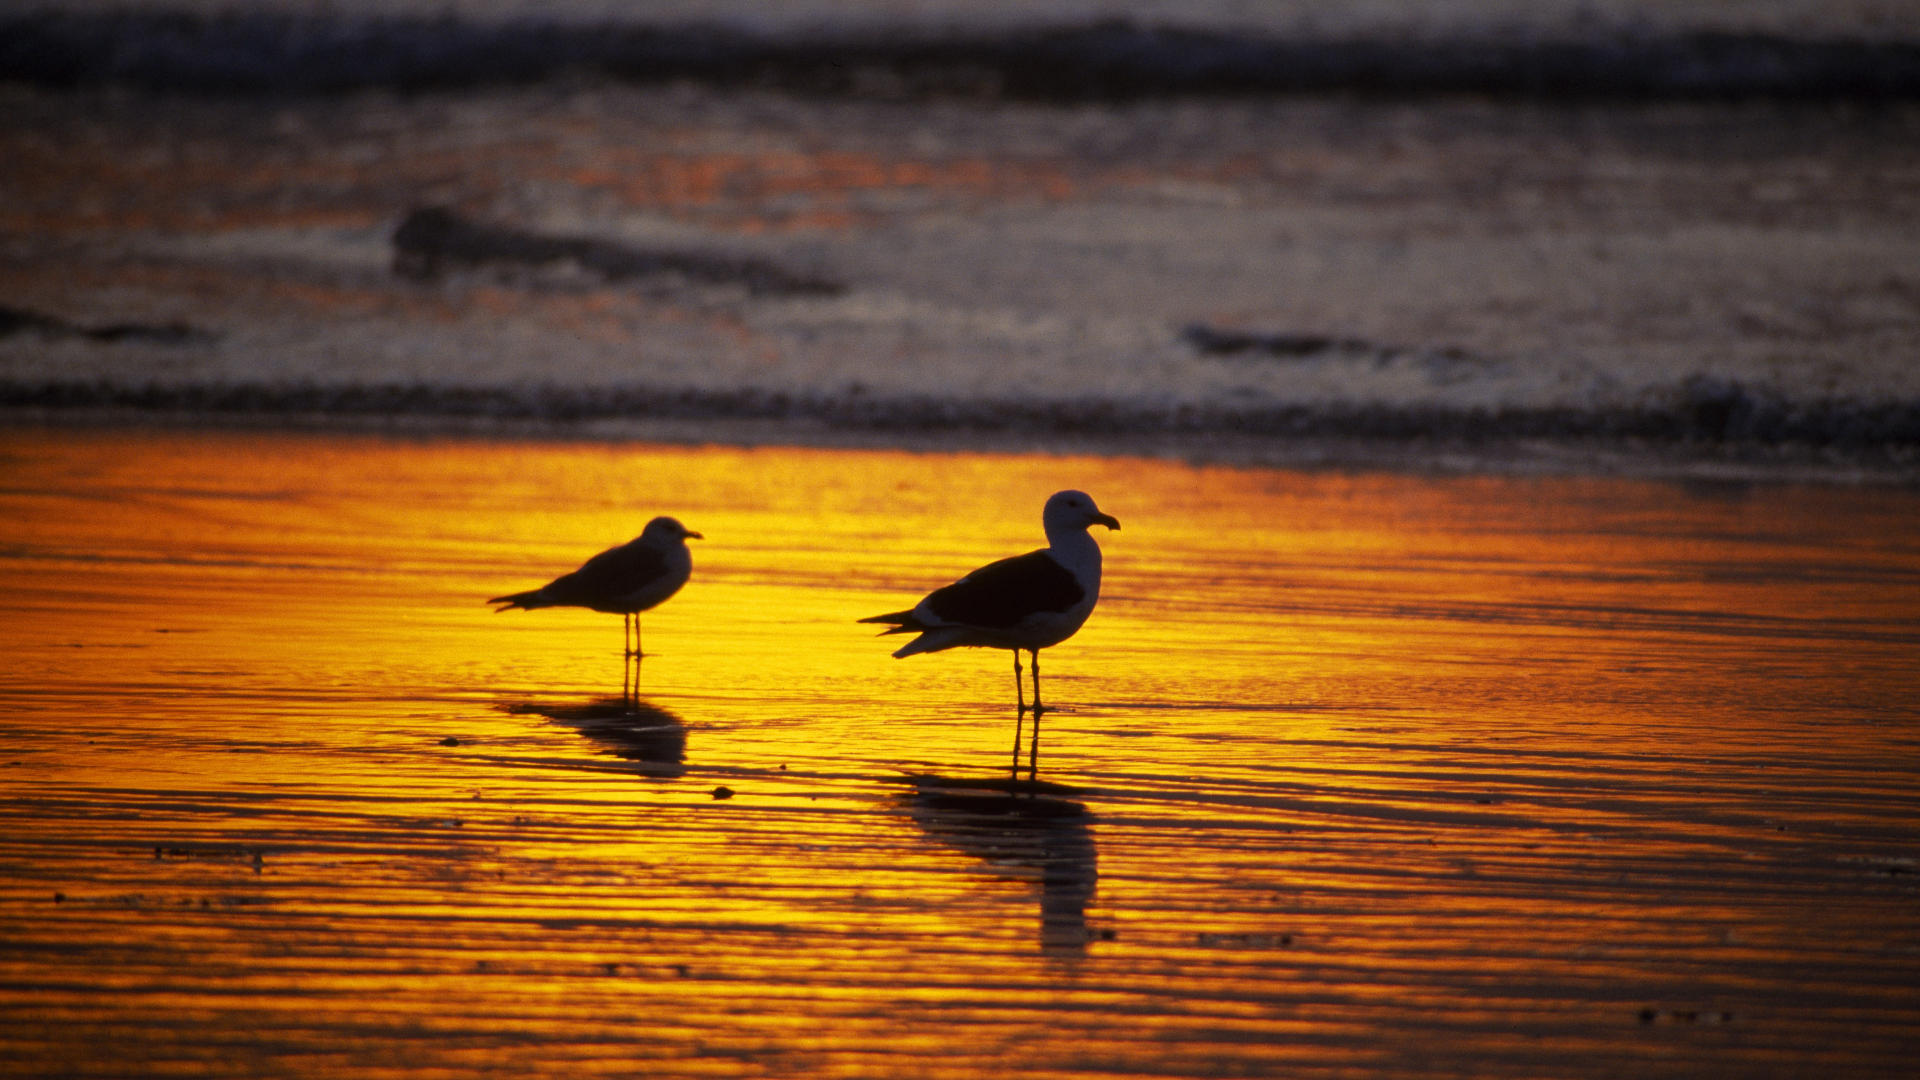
{"x": 1352, "y": 772}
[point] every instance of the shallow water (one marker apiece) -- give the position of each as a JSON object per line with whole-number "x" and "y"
{"x": 1353, "y": 773}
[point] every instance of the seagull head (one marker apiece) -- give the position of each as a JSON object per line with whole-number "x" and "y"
{"x": 663, "y": 531}
{"x": 1073, "y": 510}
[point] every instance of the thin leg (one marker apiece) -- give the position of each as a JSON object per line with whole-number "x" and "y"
{"x": 1019, "y": 690}
{"x": 1033, "y": 754}
{"x": 637, "y": 650}
{"x": 1020, "y": 716}
{"x": 1037, "y": 707}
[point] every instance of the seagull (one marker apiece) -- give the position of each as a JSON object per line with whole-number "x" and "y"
{"x": 624, "y": 581}
{"x": 1029, "y": 601}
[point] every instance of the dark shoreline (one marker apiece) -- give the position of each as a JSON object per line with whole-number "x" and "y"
{"x": 1714, "y": 441}
{"x": 251, "y": 52}
{"x": 1702, "y": 410}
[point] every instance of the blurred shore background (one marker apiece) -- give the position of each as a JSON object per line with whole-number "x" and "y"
{"x": 1626, "y": 235}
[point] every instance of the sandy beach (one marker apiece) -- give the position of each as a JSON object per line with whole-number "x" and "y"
{"x": 1616, "y": 280}
{"x": 1352, "y": 772}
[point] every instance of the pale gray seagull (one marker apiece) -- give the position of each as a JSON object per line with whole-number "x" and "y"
{"x": 1029, "y": 601}
{"x": 624, "y": 581}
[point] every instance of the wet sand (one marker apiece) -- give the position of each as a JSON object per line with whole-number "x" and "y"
{"x": 1354, "y": 773}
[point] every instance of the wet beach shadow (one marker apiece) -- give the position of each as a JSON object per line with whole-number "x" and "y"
{"x": 1025, "y": 830}
{"x": 652, "y": 737}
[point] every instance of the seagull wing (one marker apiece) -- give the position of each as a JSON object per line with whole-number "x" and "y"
{"x": 1000, "y": 595}
{"x": 604, "y": 579}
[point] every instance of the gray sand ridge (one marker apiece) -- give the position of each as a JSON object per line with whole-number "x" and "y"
{"x": 904, "y": 255}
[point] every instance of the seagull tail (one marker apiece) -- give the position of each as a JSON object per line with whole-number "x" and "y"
{"x": 932, "y": 640}
{"x": 521, "y": 601}
{"x": 902, "y": 622}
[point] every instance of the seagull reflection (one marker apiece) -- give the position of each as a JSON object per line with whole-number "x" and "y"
{"x": 1025, "y": 831}
{"x": 625, "y": 727}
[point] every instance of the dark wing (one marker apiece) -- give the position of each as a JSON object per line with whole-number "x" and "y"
{"x": 607, "y": 577}
{"x": 1000, "y": 594}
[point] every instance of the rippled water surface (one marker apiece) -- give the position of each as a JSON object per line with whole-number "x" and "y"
{"x": 1353, "y": 774}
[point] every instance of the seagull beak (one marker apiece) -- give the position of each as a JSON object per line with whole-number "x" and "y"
{"x": 1105, "y": 519}
{"x": 691, "y": 535}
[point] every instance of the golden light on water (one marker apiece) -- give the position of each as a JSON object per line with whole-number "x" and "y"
{"x": 1353, "y": 772}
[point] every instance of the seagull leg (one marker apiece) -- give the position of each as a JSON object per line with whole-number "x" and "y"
{"x": 1033, "y": 754}
{"x": 1019, "y": 690}
{"x": 1020, "y": 716}
{"x": 1036, "y": 681}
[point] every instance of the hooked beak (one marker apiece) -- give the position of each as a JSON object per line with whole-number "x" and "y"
{"x": 1106, "y": 519}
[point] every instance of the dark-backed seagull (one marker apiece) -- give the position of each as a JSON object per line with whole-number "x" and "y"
{"x": 624, "y": 581}
{"x": 1026, "y": 602}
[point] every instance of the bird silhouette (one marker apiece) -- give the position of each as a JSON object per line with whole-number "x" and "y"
{"x": 625, "y": 580}
{"x": 1031, "y": 602}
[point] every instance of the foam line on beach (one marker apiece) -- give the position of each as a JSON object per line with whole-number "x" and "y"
{"x": 1701, "y": 411}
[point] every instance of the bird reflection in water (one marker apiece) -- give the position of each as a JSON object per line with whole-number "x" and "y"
{"x": 626, "y": 727}
{"x": 1026, "y": 831}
